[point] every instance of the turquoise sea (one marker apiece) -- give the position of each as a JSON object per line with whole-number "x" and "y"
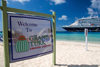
{"x": 93, "y": 37}
{"x": 1, "y": 34}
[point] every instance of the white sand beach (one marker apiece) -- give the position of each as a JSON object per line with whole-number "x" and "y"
{"x": 69, "y": 54}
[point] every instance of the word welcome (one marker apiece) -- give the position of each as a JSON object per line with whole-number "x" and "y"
{"x": 20, "y": 23}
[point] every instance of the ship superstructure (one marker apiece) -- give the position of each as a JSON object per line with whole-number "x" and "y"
{"x": 91, "y": 23}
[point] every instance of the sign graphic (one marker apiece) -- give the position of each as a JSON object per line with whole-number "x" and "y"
{"x": 22, "y": 44}
{"x": 29, "y": 36}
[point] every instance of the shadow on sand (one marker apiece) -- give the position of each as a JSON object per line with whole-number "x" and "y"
{"x": 65, "y": 65}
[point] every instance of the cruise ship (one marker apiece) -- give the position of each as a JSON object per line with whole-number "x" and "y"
{"x": 90, "y": 23}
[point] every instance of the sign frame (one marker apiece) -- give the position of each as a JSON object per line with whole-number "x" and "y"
{"x": 30, "y": 17}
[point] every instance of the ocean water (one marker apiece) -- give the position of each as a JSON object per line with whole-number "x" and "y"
{"x": 1, "y": 34}
{"x": 93, "y": 37}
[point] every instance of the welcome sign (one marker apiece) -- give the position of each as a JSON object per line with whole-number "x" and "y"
{"x": 30, "y": 36}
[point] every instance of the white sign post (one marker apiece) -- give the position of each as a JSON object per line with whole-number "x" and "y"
{"x": 31, "y": 36}
{"x": 86, "y": 38}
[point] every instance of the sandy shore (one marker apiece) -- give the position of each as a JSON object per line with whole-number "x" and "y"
{"x": 69, "y": 54}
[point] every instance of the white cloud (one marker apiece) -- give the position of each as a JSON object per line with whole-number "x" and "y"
{"x": 21, "y": 1}
{"x": 63, "y": 17}
{"x": 94, "y": 8}
{"x": 91, "y": 12}
{"x": 58, "y": 1}
{"x": 95, "y": 4}
{"x": 51, "y": 10}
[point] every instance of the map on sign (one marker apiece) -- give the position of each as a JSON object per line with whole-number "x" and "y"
{"x": 29, "y": 36}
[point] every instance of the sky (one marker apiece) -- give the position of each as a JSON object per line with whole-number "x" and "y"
{"x": 67, "y": 11}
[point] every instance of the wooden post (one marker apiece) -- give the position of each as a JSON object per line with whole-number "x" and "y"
{"x": 5, "y": 33}
{"x": 54, "y": 38}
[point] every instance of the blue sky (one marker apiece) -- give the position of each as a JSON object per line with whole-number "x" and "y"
{"x": 67, "y": 11}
